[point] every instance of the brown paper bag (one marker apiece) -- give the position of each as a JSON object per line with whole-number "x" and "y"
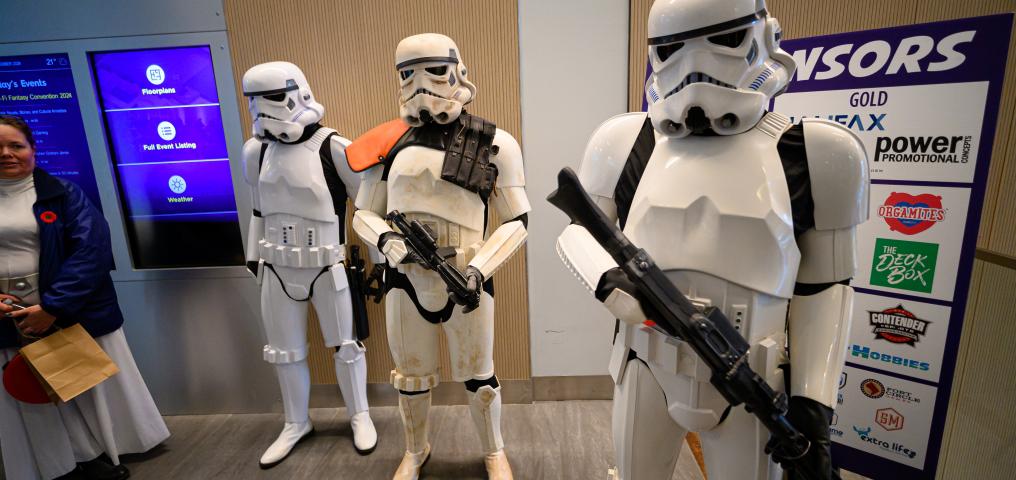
{"x": 69, "y": 362}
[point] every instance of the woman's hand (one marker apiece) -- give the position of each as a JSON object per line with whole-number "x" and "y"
{"x": 33, "y": 320}
{"x": 4, "y": 308}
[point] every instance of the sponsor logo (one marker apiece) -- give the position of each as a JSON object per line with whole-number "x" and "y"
{"x": 932, "y": 149}
{"x": 855, "y": 121}
{"x": 889, "y": 419}
{"x": 843, "y": 380}
{"x": 872, "y": 388}
{"x": 904, "y": 265}
{"x": 839, "y": 399}
{"x": 897, "y": 325}
{"x": 911, "y": 214}
{"x": 835, "y": 432}
{"x": 861, "y": 351}
{"x": 902, "y": 396}
{"x": 910, "y": 55}
{"x": 894, "y": 447}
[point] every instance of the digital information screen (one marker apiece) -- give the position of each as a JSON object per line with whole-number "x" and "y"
{"x": 40, "y": 89}
{"x": 165, "y": 136}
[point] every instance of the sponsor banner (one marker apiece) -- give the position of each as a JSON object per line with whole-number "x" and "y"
{"x": 885, "y": 416}
{"x": 895, "y": 328}
{"x": 913, "y": 239}
{"x": 926, "y": 132}
{"x": 923, "y": 99}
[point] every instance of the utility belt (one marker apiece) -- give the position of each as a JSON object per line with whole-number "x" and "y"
{"x": 396, "y": 279}
{"x": 301, "y": 257}
{"x": 677, "y": 357}
{"x": 20, "y": 287}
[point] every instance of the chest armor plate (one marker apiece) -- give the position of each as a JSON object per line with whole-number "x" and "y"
{"x": 415, "y": 186}
{"x": 719, "y": 205}
{"x": 292, "y": 181}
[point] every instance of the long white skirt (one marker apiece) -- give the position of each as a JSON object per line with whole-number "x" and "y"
{"x": 116, "y": 417}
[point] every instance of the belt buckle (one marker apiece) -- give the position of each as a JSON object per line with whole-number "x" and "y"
{"x": 19, "y": 286}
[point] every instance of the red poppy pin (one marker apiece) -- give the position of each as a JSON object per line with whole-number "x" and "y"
{"x": 48, "y": 216}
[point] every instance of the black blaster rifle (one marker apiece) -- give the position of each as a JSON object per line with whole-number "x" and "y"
{"x": 358, "y": 289}
{"x": 423, "y": 245}
{"x": 709, "y": 333}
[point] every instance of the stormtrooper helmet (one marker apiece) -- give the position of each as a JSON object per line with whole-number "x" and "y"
{"x": 715, "y": 65}
{"x": 280, "y": 101}
{"x": 432, "y": 79}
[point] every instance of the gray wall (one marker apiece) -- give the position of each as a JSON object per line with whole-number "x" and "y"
{"x": 195, "y": 333}
{"x": 45, "y": 20}
{"x": 574, "y": 62}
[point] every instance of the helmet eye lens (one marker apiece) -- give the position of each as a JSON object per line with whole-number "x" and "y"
{"x": 405, "y": 74}
{"x": 275, "y": 97}
{"x": 729, "y": 39}
{"x": 439, "y": 71}
{"x": 663, "y": 52}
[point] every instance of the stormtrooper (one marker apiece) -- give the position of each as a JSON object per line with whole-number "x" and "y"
{"x": 743, "y": 212}
{"x": 442, "y": 167}
{"x": 300, "y": 180}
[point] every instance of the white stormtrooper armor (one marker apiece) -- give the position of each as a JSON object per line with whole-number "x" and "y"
{"x": 295, "y": 247}
{"x": 756, "y": 220}
{"x": 409, "y": 179}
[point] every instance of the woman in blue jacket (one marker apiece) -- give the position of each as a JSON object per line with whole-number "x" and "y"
{"x": 55, "y": 256}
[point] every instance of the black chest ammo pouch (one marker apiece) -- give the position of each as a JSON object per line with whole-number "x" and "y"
{"x": 467, "y": 160}
{"x": 468, "y": 144}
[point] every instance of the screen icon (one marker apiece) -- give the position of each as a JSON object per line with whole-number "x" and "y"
{"x": 155, "y": 74}
{"x": 167, "y": 131}
{"x": 177, "y": 184}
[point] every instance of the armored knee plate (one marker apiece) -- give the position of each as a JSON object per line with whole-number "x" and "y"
{"x": 413, "y": 384}
{"x": 279, "y": 356}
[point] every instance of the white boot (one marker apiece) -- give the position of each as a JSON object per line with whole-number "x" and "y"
{"x": 294, "y": 380}
{"x": 351, "y": 372}
{"x": 291, "y": 434}
{"x": 414, "y": 410}
{"x": 485, "y": 408}
{"x": 364, "y": 434}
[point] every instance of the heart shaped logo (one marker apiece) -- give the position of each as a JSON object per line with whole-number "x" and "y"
{"x": 911, "y": 214}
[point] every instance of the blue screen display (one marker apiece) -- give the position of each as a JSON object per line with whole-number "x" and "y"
{"x": 40, "y": 89}
{"x": 165, "y": 135}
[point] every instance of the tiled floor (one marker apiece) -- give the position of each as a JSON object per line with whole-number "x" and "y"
{"x": 546, "y": 440}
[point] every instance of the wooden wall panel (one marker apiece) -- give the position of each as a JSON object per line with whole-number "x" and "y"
{"x": 983, "y": 414}
{"x": 977, "y": 429}
{"x": 347, "y": 50}
{"x": 638, "y": 52}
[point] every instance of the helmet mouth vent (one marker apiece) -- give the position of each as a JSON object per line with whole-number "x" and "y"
{"x": 697, "y": 77}
{"x": 697, "y": 121}
{"x": 424, "y": 91}
{"x": 729, "y": 121}
{"x": 671, "y": 127}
